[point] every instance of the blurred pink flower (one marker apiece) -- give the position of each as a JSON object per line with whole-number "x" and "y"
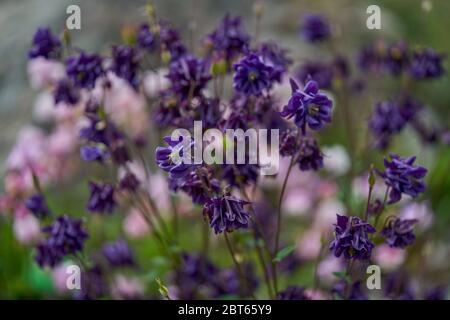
{"x": 360, "y": 187}
{"x": 316, "y": 294}
{"x": 124, "y": 287}
{"x": 336, "y": 159}
{"x": 325, "y": 215}
{"x": 26, "y": 227}
{"x": 44, "y": 72}
{"x": 308, "y": 246}
{"x": 45, "y": 110}
{"x": 59, "y": 276}
{"x": 63, "y": 141}
{"x": 327, "y": 266}
{"x": 297, "y": 201}
{"x": 420, "y": 211}
{"x": 389, "y": 258}
{"x": 155, "y": 82}
{"x": 135, "y": 225}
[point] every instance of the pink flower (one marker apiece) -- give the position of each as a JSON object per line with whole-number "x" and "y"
{"x": 327, "y": 266}
{"x": 420, "y": 211}
{"x": 26, "y": 227}
{"x": 336, "y": 159}
{"x": 389, "y": 258}
{"x": 316, "y": 294}
{"x": 44, "y": 72}
{"x": 59, "y": 276}
{"x": 126, "y": 288}
{"x": 308, "y": 246}
{"x": 297, "y": 201}
{"x": 155, "y": 82}
{"x": 325, "y": 215}
{"x": 135, "y": 225}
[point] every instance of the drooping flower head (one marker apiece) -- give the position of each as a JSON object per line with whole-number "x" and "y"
{"x": 386, "y": 120}
{"x": 198, "y": 188}
{"x": 403, "y": 177}
{"x": 352, "y": 238}
{"x": 65, "y": 92}
{"x": 84, "y": 69}
{"x": 252, "y": 76}
{"x": 309, "y": 156}
{"x": 170, "y": 41}
{"x": 226, "y": 213}
{"x": 145, "y": 37}
{"x": 65, "y": 236}
{"x": 45, "y": 44}
{"x": 397, "y": 58}
{"x": 426, "y": 64}
{"x": 118, "y": 254}
{"x": 101, "y": 199}
{"x": 229, "y": 38}
{"x": 315, "y": 28}
{"x": 309, "y": 107}
{"x": 173, "y": 159}
{"x": 125, "y": 64}
{"x": 37, "y": 204}
{"x": 188, "y": 76}
{"x": 399, "y": 232}
{"x": 276, "y": 57}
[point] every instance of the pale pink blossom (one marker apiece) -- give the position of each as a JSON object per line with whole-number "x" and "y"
{"x": 59, "y": 276}
{"x": 124, "y": 287}
{"x": 336, "y": 160}
{"x": 309, "y": 244}
{"x": 316, "y": 294}
{"x": 297, "y": 201}
{"x": 135, "y": 225}
{"x": 325, "y": 215}
{"x": 44, "y": 72}
{"x": 26, "y": 228}
{"x": 327, "y": 266}
{"x": 420, "y": 211}
{"x": 389, "y": 258}
{"x": 155, "y": 82}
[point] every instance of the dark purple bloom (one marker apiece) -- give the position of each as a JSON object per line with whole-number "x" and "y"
{"x": 276, "y": 57}
{"x": 172, "y": 158}
{"x": 252, "y": 76}
{"x": 197, "y": 188}
{"x": 45, "y": 44}
{"x": 288, "y": 143}
{"x": 129, "y": 182}
{"x": 309, "y": 156}
{"x": 37, "y": 205}
{"x": 309, "y": 107}
{"x": 386, "y": 120}
{"x": 292, "y": 293}
{"x": 399, "y": 233}
{"x": 84, "y": 69}
{"x": 145, "y": 37}
{"x": 318, "y": 71}
{"x": 229, "y": 38}
{"x": 125, "y": 64}
{"x": 371, "y": 57}
{"x": 65, "y": 236}
{"x": 118, "y": 254}
{"x": 229, "y": 281}
{"x": 93, "y": 153}
{"x": 240, "y": 174}
{"x": 188, "y": 76}
{"x": 352, "y": 239}
{"x": 66, "y": 92}
{"x": 397, "y": 58}
{"x": 226, "y": 213}
{"x": 355, "y": 293}
{"x": 315, "y": 28}
{"x": 437, "y": 293}
{"x": 93, "y": 284}
{"x": 170, "y": 41}
{"x": 401, "y": 176}
{"x": 101, "y": 198}
{"x": 398, "y": 286}
{"x": 426, "y": 64}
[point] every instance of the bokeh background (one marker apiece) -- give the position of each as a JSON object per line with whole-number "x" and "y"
{"x": 418, "y": 22}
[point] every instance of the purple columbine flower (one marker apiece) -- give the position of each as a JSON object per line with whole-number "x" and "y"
{"x": 84, "y": 69}
{"x": 145, "y": 37}
{"x": 318, "y": 71}
{"x": 170, "y": 41}
{"x": 226, "y": 213}
{"x": 170, "y": 158}
{"x": 293, "y": 293}
{"x": 45, "y": 44}
{"x": 188, "y": 76}
{"x": 352, "y": 239}
{"x": 309, "y": 107}
{"x": 397, "y": 58}
{"x": 399, "y": 232}
{"x": 198, "y": 189}
{"x": 65, "y": 236}
{"x": 240, "y": 174}
{"x": 288, "y": 143}
{"x": 66, "y": 92}
{"x": 251, "y": 75}
{"x": 401, "y": 176}
{"x": 426, "y": 64}
{"x": 309, "y": 156}
{"x": 125, "y": 64}
{"x": 315, "y": 28}
{"x": 118, "y": 254}
{"x": 386, "y": 120}
{"x": 101, "y": 198}
{"x": 276, "y": 57}
{"x": 37, "y": 205}
{"x": 93, "y": 153}
{"x": 229, "y": 38}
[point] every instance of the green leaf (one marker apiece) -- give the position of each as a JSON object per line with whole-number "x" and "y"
{"x": 342, "y": 275}
{"x": 283, "y": 253}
